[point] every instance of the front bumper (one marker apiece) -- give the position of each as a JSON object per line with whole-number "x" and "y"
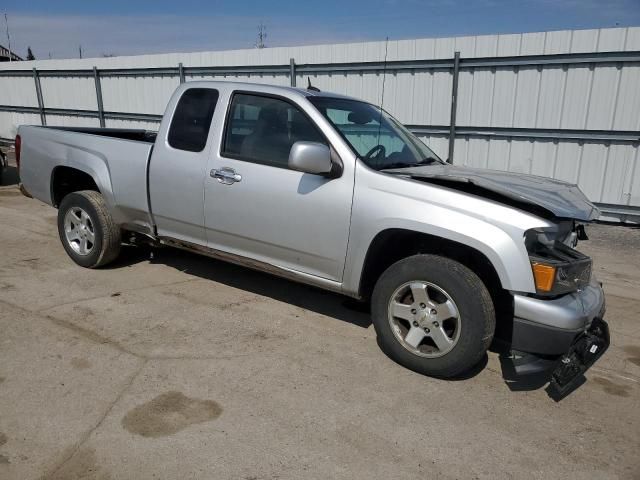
{"x": 587, "y": 348}
{"x": 550, "y": 327}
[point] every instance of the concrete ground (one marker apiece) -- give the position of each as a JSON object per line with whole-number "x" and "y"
{"x": 185, "y": 367}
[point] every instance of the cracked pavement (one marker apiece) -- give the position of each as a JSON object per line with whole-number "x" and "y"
{"x": 185, "y": 367}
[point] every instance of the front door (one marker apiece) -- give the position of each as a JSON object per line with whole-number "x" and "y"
{"x": 256, "y": 207}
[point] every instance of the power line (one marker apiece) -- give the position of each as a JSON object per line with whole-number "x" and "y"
{"x": 6, "y": 22}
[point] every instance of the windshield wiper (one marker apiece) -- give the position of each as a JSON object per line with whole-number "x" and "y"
{"x": 424, "y": 161}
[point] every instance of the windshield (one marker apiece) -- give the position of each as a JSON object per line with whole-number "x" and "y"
{"x": 376, "y": 137}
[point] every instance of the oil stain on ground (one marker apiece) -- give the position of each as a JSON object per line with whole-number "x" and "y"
{"x": 80, "y": 363}
{"x": 612, "y": 388}
{"x": 168, "y": 414}
{"x": 3, "y": 459}
{"x": 634, "y": 351}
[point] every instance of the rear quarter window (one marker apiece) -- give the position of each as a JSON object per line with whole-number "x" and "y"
{"x": 192, "y": 119}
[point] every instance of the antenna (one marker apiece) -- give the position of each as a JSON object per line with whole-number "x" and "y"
{"x": 311, "y": 87}
{"x": 6, "y": 22}
{"x": 384, "y": 77}
{"x": 262, "y": 35}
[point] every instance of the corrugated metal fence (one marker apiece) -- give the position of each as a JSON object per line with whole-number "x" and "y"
{"x": 562, "y": 104}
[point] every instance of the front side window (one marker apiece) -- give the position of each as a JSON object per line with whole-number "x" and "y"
{"x": 192, "y": 119}
{"x": 263, "y": 130}
{"x": 376, "y": 137}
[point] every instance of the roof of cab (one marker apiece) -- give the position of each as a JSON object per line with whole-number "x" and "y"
{"x": 269, "y": 88}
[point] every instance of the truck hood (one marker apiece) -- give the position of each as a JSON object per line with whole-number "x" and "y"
{"x": 562, "y": 199}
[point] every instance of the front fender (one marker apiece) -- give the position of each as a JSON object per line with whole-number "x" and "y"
{"x": 383, "y": 202}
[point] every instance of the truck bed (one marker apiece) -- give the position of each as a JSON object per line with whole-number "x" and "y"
{"x": 116, "y": 158}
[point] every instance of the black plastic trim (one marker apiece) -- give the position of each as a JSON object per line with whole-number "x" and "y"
{"x": 541, "y": 339}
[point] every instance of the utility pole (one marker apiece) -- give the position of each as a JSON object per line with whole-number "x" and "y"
{"x": 80, "y": 50}
{"x": 6, "y": 22}
{"x": 262, "y": 36}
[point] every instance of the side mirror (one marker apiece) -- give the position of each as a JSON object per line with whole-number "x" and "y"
{"x": 310, "y": 157}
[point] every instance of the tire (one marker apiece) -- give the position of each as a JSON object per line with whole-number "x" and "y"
{"x": 84, "y": 216}
{"x": 464, "y": 313}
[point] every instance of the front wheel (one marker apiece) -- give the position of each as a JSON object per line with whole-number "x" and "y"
{"x": 87, "y": 230}
{"x": 433, "y": 315}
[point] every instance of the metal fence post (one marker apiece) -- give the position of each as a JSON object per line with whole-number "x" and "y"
{"x": 454, "y": 105}
{"x": 96, "y": 79}
{"x": 292, "y": 71}
{"x": 181, "y": 72}
{"x": 36, "y": 79}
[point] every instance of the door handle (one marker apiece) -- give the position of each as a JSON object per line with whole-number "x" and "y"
{"x": 225, "y": 175}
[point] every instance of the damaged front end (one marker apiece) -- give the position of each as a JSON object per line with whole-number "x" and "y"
{"x": 567, "y": 296}
{"x": 542, "y": 196}
{"x": 561, "y": 327}
{"x": 583, "y": 353}
{"x": 557, "y": 267}
{"x": 558, "y": 328}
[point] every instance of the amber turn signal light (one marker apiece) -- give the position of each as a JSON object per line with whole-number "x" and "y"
{"x": 544, "y": 275}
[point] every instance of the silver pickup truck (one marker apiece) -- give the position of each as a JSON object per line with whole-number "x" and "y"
{"x": 334, "y": 192}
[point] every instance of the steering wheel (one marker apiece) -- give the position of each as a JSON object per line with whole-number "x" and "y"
{"x": 379, "y": 150}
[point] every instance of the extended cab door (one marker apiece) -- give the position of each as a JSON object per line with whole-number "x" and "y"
{"x": 179, "y": 162}
{"x": 256, "y": 207}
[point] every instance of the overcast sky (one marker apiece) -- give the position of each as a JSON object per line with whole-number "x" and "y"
{"x": 127, "y": 27}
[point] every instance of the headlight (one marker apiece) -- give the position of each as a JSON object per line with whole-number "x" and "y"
{"x": 557, "y": 268}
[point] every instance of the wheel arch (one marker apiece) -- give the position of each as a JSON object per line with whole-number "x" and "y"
{"x": 66, "y": 180}
{"x": 394, "y": 244}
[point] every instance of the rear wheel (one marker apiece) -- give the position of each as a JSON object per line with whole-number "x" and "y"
{"x": 87, "y": 230}
{"x": 433, "y": 315}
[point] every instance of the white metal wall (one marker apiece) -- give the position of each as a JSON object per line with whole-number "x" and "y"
{"x": 600, "y": 96}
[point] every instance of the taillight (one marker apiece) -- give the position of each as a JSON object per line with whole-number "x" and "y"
{"x": 18, "y": 148}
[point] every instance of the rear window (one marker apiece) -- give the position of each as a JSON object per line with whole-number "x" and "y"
{"x": 192, "y": 118}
